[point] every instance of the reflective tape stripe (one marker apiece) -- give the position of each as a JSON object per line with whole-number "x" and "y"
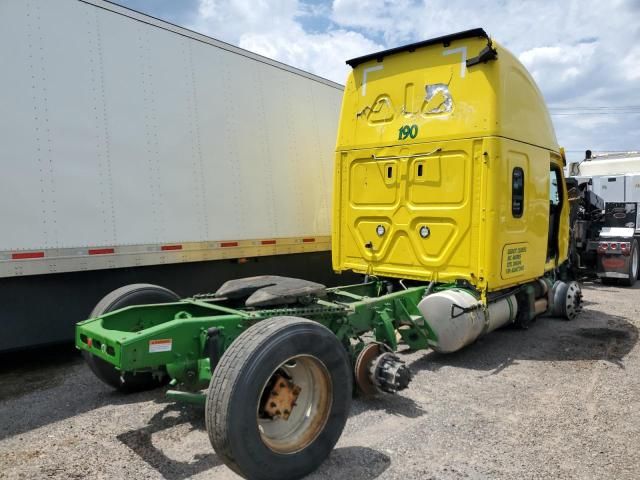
{"x": 148, "y": 248}
{"x": 79, "y": 258}
{"x": 26, "y": 255}
{"x": 101, "y": 251}
{"x": 166, "y": 248}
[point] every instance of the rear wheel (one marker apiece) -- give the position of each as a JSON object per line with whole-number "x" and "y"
{"x": 135, "y": 294}
{"x": 279, "y": 399}
{"x": 633, "y": 265}
{"x": 567, "y": 299}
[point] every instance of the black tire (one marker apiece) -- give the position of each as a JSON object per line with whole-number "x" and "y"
{"x": 634, "y": 261}
{"x": 135, "y": 294}
{"x": 236, "y": 390}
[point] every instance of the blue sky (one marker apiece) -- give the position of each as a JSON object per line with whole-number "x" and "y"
{"x": 584, "y": 54}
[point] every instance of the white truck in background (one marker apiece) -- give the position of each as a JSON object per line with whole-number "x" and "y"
{"x": 133, "y": 150}
{"x": 608, "y": 232}
{"x": 615, "y": 177}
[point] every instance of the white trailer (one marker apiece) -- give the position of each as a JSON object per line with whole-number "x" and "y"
{"x": 135, "y": 150}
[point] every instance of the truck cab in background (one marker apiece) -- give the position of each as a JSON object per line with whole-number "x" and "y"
{"x": 605, "y": 191}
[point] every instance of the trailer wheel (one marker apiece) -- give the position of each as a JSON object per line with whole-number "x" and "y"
{"x": 633, "y": 265}
{"x": 279, "y": 399}
{"x": 135, "y": 294}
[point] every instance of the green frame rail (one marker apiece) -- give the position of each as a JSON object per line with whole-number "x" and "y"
{"x": 185, "y": 338}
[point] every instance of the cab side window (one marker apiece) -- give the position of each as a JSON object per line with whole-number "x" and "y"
{"x": 554, "y": 192}
{"x": 517, "y": 192}
{"x": 555, "y": 209}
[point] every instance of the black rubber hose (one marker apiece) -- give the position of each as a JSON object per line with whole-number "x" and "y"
{"x": 213, "y": 334}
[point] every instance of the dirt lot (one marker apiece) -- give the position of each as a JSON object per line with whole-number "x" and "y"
{"x": 560, "y": 400}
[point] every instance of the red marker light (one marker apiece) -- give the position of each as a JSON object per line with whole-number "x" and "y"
{"x": 101, "y": 251}
{"x": 167, "y": 248}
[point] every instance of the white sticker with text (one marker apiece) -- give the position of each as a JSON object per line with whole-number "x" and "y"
{"x": 160, "y": 345}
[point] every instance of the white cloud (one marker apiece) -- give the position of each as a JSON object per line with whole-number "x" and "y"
{"x": 229, "y": 20}
{"x": 581, "y": 52}
{"x": 631, "y": 64}
{"x": 323, "y": 54}
{"x": 273, "y": 29}
{"x": 558, "y": 66}
{"x": 395, "y": 20}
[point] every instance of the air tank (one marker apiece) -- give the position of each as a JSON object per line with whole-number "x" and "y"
{"x": 457, "y": 318}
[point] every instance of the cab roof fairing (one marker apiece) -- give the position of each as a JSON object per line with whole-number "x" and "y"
{"x": 445, "y": 40}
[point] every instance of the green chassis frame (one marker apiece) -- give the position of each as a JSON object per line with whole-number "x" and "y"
{"x": 195, "y": 332}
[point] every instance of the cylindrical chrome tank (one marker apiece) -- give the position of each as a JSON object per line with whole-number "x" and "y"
{"x": 457, "y": 317}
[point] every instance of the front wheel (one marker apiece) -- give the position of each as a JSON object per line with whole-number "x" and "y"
{"x": 279, "y": 399}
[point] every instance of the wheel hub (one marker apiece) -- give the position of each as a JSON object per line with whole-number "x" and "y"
{"x": 295, "y": 404}
{"x": 573, "y": 300}
{"x": 282, "y": 398}
{"x": 378, "y": 370}
{"x": 389, "y": 373}
{"x": 363, "y": 367}
{"x": 567, "y": 299}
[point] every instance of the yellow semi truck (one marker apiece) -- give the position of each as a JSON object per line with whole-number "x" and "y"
{"x": 449, "y": 197}
{"x": 448, "y": 168}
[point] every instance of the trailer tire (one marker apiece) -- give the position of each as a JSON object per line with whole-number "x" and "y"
{"x": 246, "y": 440}
{"x": 634, "y": 262}
{"x": 129, "y": 295}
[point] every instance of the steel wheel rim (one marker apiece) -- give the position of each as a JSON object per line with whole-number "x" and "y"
{"x": 634, "y": 264}
{"x": 310, "y": 413}
{"x": 572, "y": 301}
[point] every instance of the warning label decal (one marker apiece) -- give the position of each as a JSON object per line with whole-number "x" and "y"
{"x": 160, "y": 345}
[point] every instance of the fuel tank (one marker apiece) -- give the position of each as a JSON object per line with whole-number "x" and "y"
{"x": 457, "y": 318}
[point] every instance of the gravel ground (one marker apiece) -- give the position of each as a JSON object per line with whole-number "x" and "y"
{"x": 560, "y": 400}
